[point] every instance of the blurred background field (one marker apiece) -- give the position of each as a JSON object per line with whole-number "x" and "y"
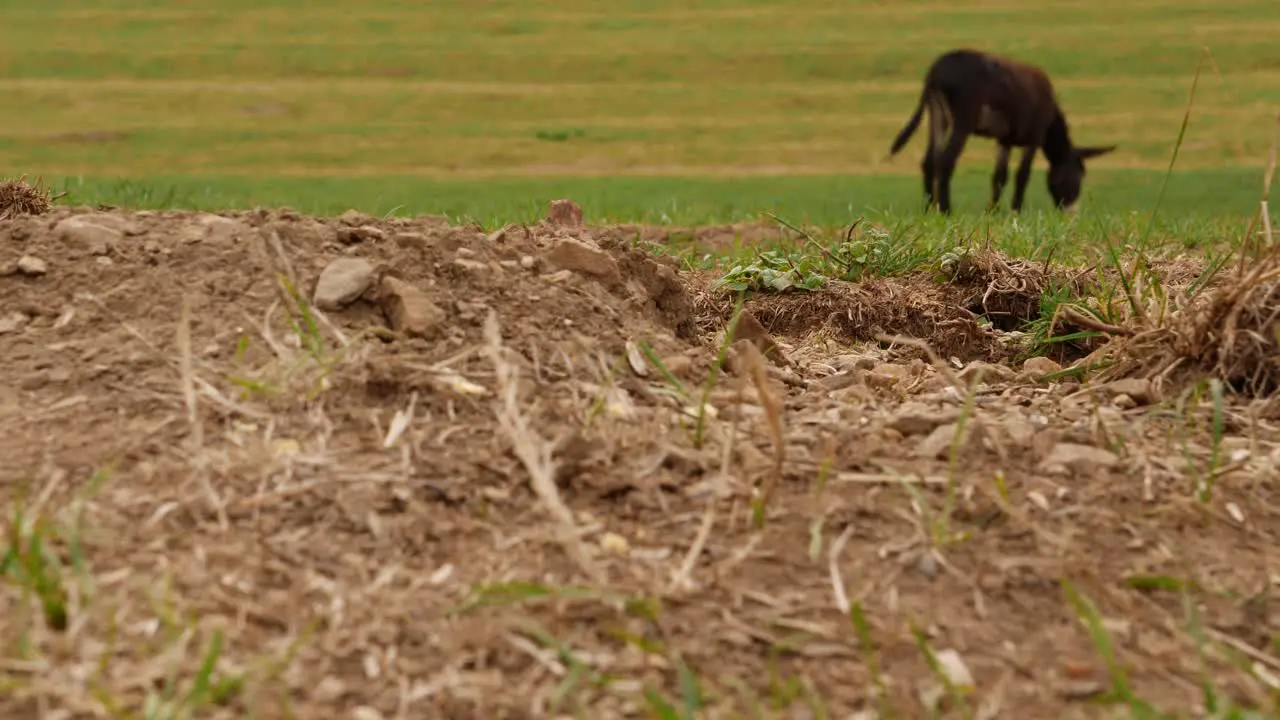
{"x": 656, "y": 110}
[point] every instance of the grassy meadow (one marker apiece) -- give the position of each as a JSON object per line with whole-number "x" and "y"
{"x": 656, "y": 111}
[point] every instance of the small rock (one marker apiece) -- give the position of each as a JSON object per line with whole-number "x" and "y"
{"x": 886, "y": 374}
{"x": 937, "y": 445}
{"x": 1082, "y": 459}
{"x": 927, "y": 564}
{"x": 1036, "y": 367}
{"x": 527, "y": 262}
{"x": 329, "y": 689}
{"x": 32, "y": 265}
{"x": 989, "y": 372}
{"x": 473, "y": 266}
{"x": 217, "y": 229}
{"x": 677, "y": 364}
{"x": 635, "y": 358}
{"x": 354, "y": 217}
{"x": 915, "y": 418}
{"x": 408, "y": 309}
{"x": 839, "y": 381}
{"x": 1138, "y": 389}
{"x": 104, "y": 261}
{"x": 566, "y": 213}
{"x": 498, "y": 235}
{"x": 615, "y": 544}
{"x": 341, "y": 282}
{"x": 90, "y": 236}
{"x": 1018, "y": 429}
{"x": 362, "y": 233}
{"x": 577, "y": 256}
{"x": 151, "y": 247}
{"x": 954, "y": 667}
{"x": 13, "y": 322}
{"x": 1081, "y": 689}
{"x": 854, "y": 362}
{"x": 1124, "y": 402}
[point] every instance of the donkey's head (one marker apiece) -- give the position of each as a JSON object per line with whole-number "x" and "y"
{"x": 1066, "y": 177}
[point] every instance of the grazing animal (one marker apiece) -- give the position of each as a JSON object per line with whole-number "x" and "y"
{"x": 969, "y": 92}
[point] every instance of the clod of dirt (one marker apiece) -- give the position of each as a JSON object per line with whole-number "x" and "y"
{"x": 1018, "y": 429}
{"x": 32, "y": 265}
{"x": 1035, "y": 367}
{"x": 13, "y": 322}
{"x": 565, "y": 213}
{"x": 408, "y": 310}
{"x": 917, "y": 418}
{"x": 851, "y": 363}
{"x": 887, "y": 374}
{"x": 89, "y": 233}
{"x": 19, "y": 198}
{"x": 988, "y": 372}
{"x": 749, "y": 328}
{"x": 577, "y": 256}
{"x": 937, "y": 444}
{"x": 213, "y": 228}
{"x": 1085, "y": 460}
{"x": 359, "y": 234}
{"x": 341, "y": 282}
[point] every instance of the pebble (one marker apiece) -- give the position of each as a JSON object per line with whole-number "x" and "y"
{"x": 32, "y": 265}
{"x": 342, "y": 282}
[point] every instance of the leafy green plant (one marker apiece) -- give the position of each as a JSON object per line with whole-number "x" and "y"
{"x": 773, "y": 271}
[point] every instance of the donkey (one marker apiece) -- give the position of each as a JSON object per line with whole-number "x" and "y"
{"x": 974, "y": 92}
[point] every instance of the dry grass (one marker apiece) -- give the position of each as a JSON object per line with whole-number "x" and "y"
{"x": 17, "y": 197}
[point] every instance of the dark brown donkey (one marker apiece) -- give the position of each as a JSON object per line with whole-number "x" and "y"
{"x": 972, "y": 92}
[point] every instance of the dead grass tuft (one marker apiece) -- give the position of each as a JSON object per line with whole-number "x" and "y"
{"x": 18, "y": 197}
{"x": 1008, "y": 290}
{"x": 914, "y": 305}
{"x": 1232, "y": 334}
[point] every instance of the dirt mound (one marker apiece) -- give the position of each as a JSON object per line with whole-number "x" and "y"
{"x": 399, "y": 468}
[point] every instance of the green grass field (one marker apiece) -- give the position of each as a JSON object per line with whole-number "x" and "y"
{"x": 698, "y": 112}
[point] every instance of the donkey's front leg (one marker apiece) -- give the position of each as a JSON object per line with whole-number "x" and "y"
{"x": 1001, "y": 175}
{"x": 1023, "y": 175}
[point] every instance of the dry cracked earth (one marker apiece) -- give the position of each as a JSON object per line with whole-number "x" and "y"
{"x": 264, "y": 465}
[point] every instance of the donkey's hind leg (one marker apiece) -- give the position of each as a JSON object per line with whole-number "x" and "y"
{"x": 1022, "y": 177}
{"x": 945, "y": 165}
{"x": 927, "y": 170}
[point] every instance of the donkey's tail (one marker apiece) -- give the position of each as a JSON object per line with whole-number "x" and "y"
{"x": 905, "y": 134}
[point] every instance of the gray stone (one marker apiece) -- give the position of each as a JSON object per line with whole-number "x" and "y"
{"x": 342, "y": 282}
{"x": 1083, "y": 459}
{"x": 1139, "y": 389}
{"x": 32, "y": 265}
{"x": 87, "y": 234}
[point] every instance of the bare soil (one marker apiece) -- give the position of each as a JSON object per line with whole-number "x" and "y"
{"x": 363, "y": 512}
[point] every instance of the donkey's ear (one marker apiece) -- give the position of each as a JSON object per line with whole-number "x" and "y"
{"x": 1084, "y": 153}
